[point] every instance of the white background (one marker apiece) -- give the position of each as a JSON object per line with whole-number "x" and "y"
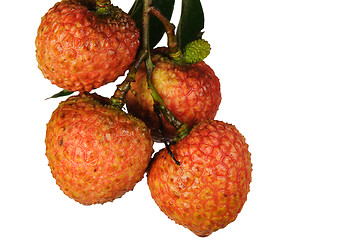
{"x": 289, "y": 72}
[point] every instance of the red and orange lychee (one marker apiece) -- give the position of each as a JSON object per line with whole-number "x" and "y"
{"x": 190, "y": 91}
{"x": 80, "y": 48}
{"x": 210, "y": 186}
{"x": 96, "y": 152}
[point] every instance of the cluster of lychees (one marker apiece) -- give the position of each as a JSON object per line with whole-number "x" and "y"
{"x": 97, "y": 152}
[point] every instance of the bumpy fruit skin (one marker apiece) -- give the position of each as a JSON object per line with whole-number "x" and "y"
{"x": 209, "y": 188}
{"x": 96, "y": 152}
{"x": 79, "y": 51}
{"x": 196, "y": 51}
{"x": 191, "y": 92}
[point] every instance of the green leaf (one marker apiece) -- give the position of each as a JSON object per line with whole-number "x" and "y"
{"x": 62, "y": 93}
{"x": 191, "y": 22}
{"x": 156, "y": 28}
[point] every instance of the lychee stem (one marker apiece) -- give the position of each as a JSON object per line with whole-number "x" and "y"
{"x": 161, "y": 129}
{"x": 174, "y": 51}
{"x": 118, "y": 99}
{"x": 167, "y": 114}
{"x": 102, "y": 3}
{"x": 103, "y": 7}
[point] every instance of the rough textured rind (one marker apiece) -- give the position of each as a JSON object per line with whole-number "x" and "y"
{"x": 208, "y": 190}
{"x": 191, "y": 92}
{"x": 196, "y": 51}
{"x": 79, "y": 51}
{"x": 96, "y": 152}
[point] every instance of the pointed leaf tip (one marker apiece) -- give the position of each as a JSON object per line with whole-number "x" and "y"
{"x": 62, "y": 93}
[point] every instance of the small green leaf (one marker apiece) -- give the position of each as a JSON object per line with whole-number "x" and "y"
{"x": 191, "y": 22}
{"x": 156, "y": 28}
{"x": 62, "y": 93}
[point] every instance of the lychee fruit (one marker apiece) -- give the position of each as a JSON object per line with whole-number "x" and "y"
{"x": 96, "y": 152}
{"x": 196, "y": 51}
{"x": 190, "y": 91}
{"x": 80, "y": 47}
{"x": 208, "y": 189}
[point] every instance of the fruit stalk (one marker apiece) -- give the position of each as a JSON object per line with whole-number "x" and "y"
{"x": 103, "y": 7}
{"x": 161, "y": 129}
{"x": 182, "y": 128}
{"x": 102, "y": 3}
{"x": 174, "y": 51}
{"x": 118, "y": 99}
